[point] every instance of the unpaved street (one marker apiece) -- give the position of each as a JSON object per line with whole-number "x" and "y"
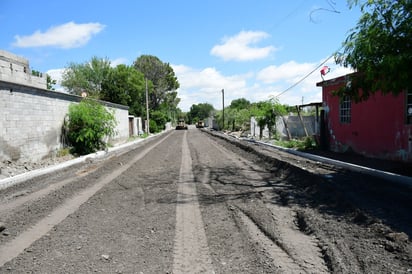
{"x": 194, "y": 202}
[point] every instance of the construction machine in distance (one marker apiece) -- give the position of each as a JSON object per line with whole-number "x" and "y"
{"x": 181, "y": 125}
{"x": 200, "y": 124}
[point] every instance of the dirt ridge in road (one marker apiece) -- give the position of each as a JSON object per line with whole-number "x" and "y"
{"x": 352, "y": 215}
{"x": 191, "y": 253}
{"x": 290, "y": 248}
{"x": 13, "y": 248}
{"x": 282, "y": 260}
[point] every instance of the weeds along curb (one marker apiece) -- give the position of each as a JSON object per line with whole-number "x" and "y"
{"x": 401, "y": 180}
{"x": 278, "y": 163}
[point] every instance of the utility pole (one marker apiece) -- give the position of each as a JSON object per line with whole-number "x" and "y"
{"x": 223, "y": 111}
{"x": 147, "y": 110}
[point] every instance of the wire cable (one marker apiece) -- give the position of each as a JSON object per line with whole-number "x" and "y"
{"x": 306, "y": 76}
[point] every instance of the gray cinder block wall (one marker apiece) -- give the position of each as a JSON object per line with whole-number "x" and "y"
{"x": 17, "y": 70}
{"x": 31, "y": 120}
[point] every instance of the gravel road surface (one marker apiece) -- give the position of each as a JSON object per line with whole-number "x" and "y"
{"x": 199, "y": 202}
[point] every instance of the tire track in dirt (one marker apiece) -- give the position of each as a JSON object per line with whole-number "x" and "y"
{"x": 283, "y": 261}
{"x": 191, "y": 252}
{"x": 14, "y": 247}
{"x": 299, "y": 253}
{"x": 15, "y": 202}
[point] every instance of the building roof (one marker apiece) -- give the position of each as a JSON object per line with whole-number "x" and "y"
{"x": 334, "y": 81}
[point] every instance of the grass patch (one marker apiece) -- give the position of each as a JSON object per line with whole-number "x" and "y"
{"x": 63, "y": 152}
{"x": 134, "y": 138}
{"x": 300, "y": 144}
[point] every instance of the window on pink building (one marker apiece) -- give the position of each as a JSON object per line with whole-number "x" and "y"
{"x": 345, "y": 110}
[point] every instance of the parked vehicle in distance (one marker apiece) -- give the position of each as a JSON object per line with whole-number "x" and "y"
{"x": 181, "y": 125}
{"x": 200, "y": 124}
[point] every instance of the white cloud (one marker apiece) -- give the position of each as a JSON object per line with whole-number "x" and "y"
{"x": 239, "y": 47}
{"x": 205, "y": 85}
{"x": 306, "y": 89}
{"x": 69, "y": 35}
{"x": 56, "y": 74}
{"x": 289, "y": 71}
{"x": 207, "y": 78}
{"x": 118, "y": 61}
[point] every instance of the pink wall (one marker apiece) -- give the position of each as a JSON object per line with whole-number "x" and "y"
{"x": 377, "y": 127}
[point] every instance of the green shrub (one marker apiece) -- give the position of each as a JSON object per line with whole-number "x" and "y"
{"x": 159, "y": 119}
{"x": 153, "y": 126}
{"x": 303, "y": 144}
{"x": 309, "y": 143}
{"x": 89, "y": 124}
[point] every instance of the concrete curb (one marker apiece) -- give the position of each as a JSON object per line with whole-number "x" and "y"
{"x": 7, "y": 182}
{"x": 400, "y": 179}
{"x": 392, "y": 177}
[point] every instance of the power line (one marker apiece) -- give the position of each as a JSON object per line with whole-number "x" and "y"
{"x": 306, "y": 76}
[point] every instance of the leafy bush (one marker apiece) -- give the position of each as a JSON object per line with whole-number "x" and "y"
{"x": 89, "y": 124}
{"x": 309, "y": 143}
{"x": 153, "y": 126}
{"x": 159, "y": 119}
{"x": 303, "y": 144}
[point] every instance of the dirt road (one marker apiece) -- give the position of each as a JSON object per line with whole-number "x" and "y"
{"x": 189, "y": 202}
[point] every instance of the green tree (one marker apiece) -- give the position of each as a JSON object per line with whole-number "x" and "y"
{"x": 169, "y": 105}
{"x": 241, "y": 103}
{"x": 125, "y": 85}
{"x": 259, "y": 111}
{"x": 50, "y": 82}
{"x": 265, "y": 114}
{"x": 237, "y": 119}
{"x": 379, "y": 48}
{"x": 87, "y": 77}
{"x": 163, "y": 78}
{"x": 238, "y": 114}
{"x": 199, "y": 112}
{"x": 36, "y": 73}
{"x": 162, "y": 86}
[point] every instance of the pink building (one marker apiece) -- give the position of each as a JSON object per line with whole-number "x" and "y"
{"x": 380, "y": 127}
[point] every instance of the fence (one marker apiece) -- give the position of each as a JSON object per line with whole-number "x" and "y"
{"x": 287, "y": 126}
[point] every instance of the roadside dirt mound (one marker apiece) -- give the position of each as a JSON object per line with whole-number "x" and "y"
{"x": 362, "y": 223}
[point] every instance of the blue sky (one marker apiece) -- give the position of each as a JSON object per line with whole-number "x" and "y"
{"x": 252, "y": 49}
